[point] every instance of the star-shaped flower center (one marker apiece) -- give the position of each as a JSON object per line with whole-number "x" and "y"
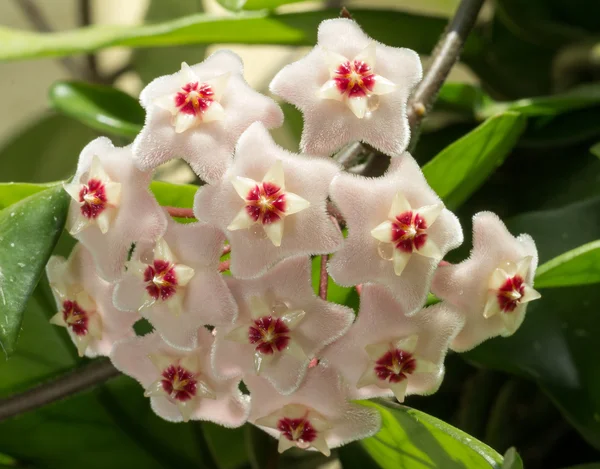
{"x": 161, "y": 279}
{"x": 92, "y": 197}
{"x": 269, "y": 334}
{"x": 406, "y": 232}
{"x": 392, "y": 363}
{"x": 194, "y": 98}
{"x": 300, "y": 427}
{"x": 395, "y": 365}
{"x": 354, "y": 81}
{"x": 508, "y": 293}
{"x": 266, "y": 203}
{"x": 75, "y": 317}
{"x": 179, "y": 384}
{"x": 195, "y": 101}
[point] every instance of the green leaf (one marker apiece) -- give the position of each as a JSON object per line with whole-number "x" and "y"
{"x": 174, "y": 195}
{"x": 29, "y": 231}
{"x": 45, "y": 151}
{"x": 394, "y": 28}
{"x": 512, "y": 460}
{"x": 336, "y": 294}
{"x": 227, "y": 445}
{"x": 12, "y": 192}
{"x": 411, "y": 439}
{"x": 462, "y": 167}
{"x": 100, "y": 107}
{"x": 557, "y": 344}
{"x": 580, "y": 266}
{"x": 595, "y": 150}
{"x": 262, "y": 4}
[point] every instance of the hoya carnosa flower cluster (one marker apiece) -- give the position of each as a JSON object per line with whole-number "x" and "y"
{"x": 303, "y": 359}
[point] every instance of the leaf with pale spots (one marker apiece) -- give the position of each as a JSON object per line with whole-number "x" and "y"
{"x": 458, "y": 170}
{"x": 29, "y": 230}
{"x": 412, "y": 439}
{"x": 100, "y": 107}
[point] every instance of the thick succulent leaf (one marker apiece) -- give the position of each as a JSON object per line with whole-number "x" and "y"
{"x": 512, "y": 460}
{"x": 417, "y": 32}
{"x": 557, "y": 344}
{"x": 579, "y": 266}
{"x": 462, "y": 167}
{"x": 100, "y": 107}
{"x": 174, "y": 195}
{"x": 29, "y": 231}
{"x": 12, "y": 192}
{"x": 414, "y": 440}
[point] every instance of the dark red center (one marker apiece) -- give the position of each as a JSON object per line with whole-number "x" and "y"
{"x": 179, "y": 383}
{"x": 265, "y": 203}
{"x": 161, "y": 280}
{"x": 194, "y": 98}
{"x": 409, "y": 231}
{"x": 299, "y": 430}
{"x": 93, "y": 198}
{"x": 76, "y": 317}
{"x": 395, "y": 365}
{"x": 510, "y": 293}
{"x": 269, "y": 334}
{"x": 354, "y": 78}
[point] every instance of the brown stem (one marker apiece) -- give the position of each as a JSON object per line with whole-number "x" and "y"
{"x": 359, "y": 288}
{"x": 39, "y": 22}
{"x": 85, "y": 377}
{"x": 180, "y": 212}
{"x": 324, "y": 278}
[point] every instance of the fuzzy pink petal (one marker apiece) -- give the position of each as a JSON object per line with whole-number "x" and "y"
{"x": 324, "y": 392}
{"x": 139, "y": 218}
{"x": 381, "y": 318}
{"x": 365, "y": 203}
{"x": 230, "y": 408}
{"x": 289, "y": 282}
{"x": 465, "y": 285}
{"x": 79, "y": 272}
{"x": 329, "y": 124}
{"x": 207, "y": 147}
{"x": 309, "y": 231}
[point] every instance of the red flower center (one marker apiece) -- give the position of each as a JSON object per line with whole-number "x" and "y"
{"x": 194, "y": 98}
{"x": 161, "y": 280}
{"x": 354, "y": 78}
{"x": 76, "y": 317}
{"x": 265, "y": 203}
{"x": 93, "y": 197}
{"x": 179, "y": 383}
{"x": 269, "y": 334}
{"x": 298, "y": 430}
{"x": 409, "y": 231}
{"x": 510, "y": 293}
{"x": 395, "y": 365}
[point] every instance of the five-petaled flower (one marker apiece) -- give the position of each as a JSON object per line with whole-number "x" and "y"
{"x": 350, "y": 87}
{"x": 398, "y": 231}
{"x": 180, "y": 384}
{"x": 199, "y": 113}
{"x": 318, "y": 415}
{"x": 85, "y": 306}
{"x": 495, "y": 282}
{"x": 177, "y": 286}
{"x": 291, "y": 184}
{"x": 386, "y": 352}
{"x": 281, "y": 326}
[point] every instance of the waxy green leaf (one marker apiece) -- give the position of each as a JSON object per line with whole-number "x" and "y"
{"x": 29, "y": 230}
{"x": 12, "y": 192}
{"x": 411, "y": 439}
{"x": 462, "y": 167}
{"x": 100, "y": 107}
{"x": 580, "y": 266}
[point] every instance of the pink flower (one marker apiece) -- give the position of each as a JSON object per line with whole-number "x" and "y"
{"x": 398, "y": 231}
{"x": 317, "y": 416}
{"x": 271, "y": 204}
{"x": 493, "y": 286}
{"x": 199, "y": 113}
{"x": 180, "y": 384}
{"x": 176, "y": 285}
{"x": 350, "y": 87}
{"x": 112, "y": 207}
{"x": 281, "y": 326}
{"x": 387, "y": 353}
{"x": 85, "y": 306}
